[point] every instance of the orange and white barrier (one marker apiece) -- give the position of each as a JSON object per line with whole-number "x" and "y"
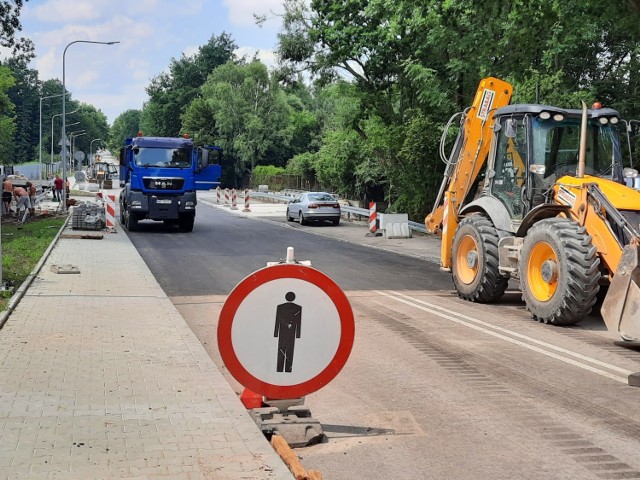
{"x": 373, "y": 217}
{"x": 234, "y": 199}
{"x": 246, "y": 200}
{"x": 218, "y": 195}
{"x": 226, "y": 197}
{"x": 110, "y": 211}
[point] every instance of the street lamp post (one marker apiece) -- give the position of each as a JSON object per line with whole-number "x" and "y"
{"x": 73, "y": 137}
{"x": 54, "y": 116}
{"x": 64, "y": 136}
{"x": 40, "y": 142}
{"x": 91, "y": 149}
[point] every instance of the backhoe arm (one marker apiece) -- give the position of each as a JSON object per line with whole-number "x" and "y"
{"x": 466, "y": 161}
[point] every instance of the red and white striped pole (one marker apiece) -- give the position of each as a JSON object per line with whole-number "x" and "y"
{"x": 234, "y": 199}
{"x": 226, "y": 197}
{"x": 218, "y": 195}
{"x": 373, "y": 216}
{"x": 110, "y": 211}
{"x": 246, "y": 200}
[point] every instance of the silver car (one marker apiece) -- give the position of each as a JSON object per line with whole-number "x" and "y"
{"x": 314, "y": 206}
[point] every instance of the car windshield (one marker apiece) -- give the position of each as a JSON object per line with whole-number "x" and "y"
{"x": 321, "y": 197}
{"x": 162, "y": 157}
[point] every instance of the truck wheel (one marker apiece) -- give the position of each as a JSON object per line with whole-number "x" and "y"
{"x": 474, "y": 262}
{"x": 559, "y": 272}
{"x": 186, "y": 223}
{"x": 131, "y": 221}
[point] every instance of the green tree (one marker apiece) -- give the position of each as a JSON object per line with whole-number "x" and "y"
{"x": 171, "y": 93}
{"x": 10, "y": 25}
{"x": 251, "y": 114}
{"x": 415, "y": 62}
{"x": 7, "y": 122}
{"x": 24, "y": 94}
{"x": 95, "y": 126}
{"x": 126, "y": 125}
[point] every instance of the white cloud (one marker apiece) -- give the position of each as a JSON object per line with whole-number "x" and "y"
{"x": 190, "y": 51}
{"x": 241, "y": 11}
{"x": 268, "y": 57}
{"x": 62, "y": 11}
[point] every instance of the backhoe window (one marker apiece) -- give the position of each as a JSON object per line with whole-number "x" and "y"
{"x": 510, "y": 164}
{"x": 556, "y": 146}
{"x": 163, "y": 157}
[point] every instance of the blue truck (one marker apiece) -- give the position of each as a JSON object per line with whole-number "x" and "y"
{"x": 159, "y": 177}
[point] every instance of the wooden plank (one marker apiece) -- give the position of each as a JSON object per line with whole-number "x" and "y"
{"x": 292, "y": 461}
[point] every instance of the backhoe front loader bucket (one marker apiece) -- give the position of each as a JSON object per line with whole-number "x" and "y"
{"x": 621, "y": 307}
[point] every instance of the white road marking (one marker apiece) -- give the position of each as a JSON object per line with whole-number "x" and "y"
{"x": 508, "y": 336}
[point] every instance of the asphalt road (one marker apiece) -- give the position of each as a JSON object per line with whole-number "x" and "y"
{"x": 435, "y": 387}
{"x": 225, "y": 248}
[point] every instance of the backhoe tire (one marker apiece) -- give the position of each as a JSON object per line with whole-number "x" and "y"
{"x": 474, "y": 261}
{"x": 559, "y": 272}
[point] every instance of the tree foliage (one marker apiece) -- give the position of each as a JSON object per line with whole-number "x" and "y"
{"x": 7, "y": 122}
{"x": 126, "y": 125}
{"x": 413, "y": 63}
{"x": 10, "y": 26}
{"x": 171, "y": 93}
{"x": 243, "y": 110}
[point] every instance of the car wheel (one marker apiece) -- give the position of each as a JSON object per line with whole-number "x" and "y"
{"x": 289, "y": 217}
{"x": 336, "y": 221}
{"x": 303, "y": 221}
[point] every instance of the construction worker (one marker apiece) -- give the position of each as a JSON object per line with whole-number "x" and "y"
{"x": 22, "y": 199}
{"x": 7, "y": 191}
{"x": 31, "y": 190}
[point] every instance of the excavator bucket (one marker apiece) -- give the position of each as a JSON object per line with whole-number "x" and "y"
{"x": 621, "y": 307}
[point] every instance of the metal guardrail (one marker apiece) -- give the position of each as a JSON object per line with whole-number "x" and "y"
{"x": 362, "y": 212}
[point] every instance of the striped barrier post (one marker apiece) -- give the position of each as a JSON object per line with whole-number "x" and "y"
{"x": 246, "y": 200}
{"x": 226, "y": 197}
{"x": 234, "y": 199}
{"x": 373, "y": 217}
{"x": 111, "y": 211}
{"x": 218, "y": 195}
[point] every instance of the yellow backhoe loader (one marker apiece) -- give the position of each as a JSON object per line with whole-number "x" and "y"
{"x": 552, "y": 210}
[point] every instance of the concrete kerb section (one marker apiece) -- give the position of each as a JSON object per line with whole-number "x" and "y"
{"x": 102, "y": 378}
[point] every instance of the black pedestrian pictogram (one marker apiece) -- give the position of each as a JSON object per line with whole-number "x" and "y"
{"x": 288, "y": 317}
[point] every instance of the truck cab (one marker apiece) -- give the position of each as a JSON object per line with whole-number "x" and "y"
{"x": 160, "y": 177}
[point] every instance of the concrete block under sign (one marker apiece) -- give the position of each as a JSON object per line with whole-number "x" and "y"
{"x": 65, "y": 269}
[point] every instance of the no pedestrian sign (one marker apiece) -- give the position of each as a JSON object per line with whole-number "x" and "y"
{"x": 285, "y": 331}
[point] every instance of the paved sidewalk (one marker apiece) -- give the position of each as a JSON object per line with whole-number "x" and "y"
{"x": 102, "y": 378}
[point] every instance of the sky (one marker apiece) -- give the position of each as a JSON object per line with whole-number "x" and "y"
{"x": 151, "y": 33}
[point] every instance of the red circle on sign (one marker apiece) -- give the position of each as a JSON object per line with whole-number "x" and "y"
{"x": 238, "y": 295}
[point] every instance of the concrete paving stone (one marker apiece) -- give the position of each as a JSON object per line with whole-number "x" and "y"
{"x": 120, "y": 390}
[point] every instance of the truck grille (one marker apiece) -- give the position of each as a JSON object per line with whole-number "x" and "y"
{"x": 163, "y": 183}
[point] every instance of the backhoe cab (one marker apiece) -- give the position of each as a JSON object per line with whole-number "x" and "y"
{"x": 552, "y": 211}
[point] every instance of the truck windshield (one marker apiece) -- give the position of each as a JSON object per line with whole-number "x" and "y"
{"x": 556, "y": 146}
{"x": 162, "y": 157}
